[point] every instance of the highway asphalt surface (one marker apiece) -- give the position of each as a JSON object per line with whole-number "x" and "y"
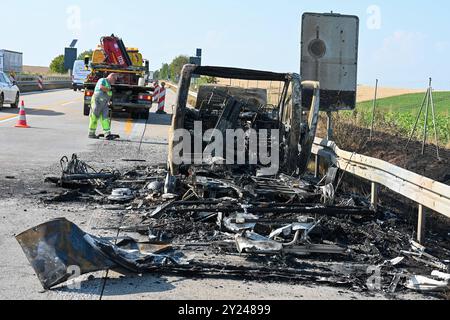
{"x": 58, "y": 128}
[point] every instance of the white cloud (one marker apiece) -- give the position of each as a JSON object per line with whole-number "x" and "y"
{"x": 407, "y": 59}
{"x": 402, "y": 48}
{"x": 442, "y": 46}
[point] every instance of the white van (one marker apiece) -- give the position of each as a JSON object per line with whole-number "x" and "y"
{"x": 79, "y": 75}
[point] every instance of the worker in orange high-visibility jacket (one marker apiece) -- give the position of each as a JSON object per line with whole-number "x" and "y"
{"x": 162, "y": 99}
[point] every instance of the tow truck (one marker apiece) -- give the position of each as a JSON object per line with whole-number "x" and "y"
{"x": 131, "y": 93}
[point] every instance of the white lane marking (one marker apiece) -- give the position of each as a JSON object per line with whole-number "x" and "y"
{"x": 138, "y": 129}
{"x": 10, "y": 119}
{"x": 67, "y": 103}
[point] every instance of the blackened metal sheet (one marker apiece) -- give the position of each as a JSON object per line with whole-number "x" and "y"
{"x": 57, "y": 248}
{"x": 53, "y": 248}
{"x": 243, "y": 74}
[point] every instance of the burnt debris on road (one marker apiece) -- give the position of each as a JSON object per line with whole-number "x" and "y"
{"x": 223, "y": 223}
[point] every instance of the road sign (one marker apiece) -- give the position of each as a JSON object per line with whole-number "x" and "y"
{"x": 195, "y": 60}
{"x": 70, "y": 55}
{"x": 198, "y": 62}
{"x": 74, "y": 43}
{"x": 330, "y": 55}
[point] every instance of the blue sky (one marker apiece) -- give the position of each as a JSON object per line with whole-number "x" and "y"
{"x": 401, "y": 42}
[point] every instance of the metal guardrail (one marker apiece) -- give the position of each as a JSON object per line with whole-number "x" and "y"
{"x": 24, "y": 78}
{"x": 30, "y": 83}
{"x": 193, "y": 94}
{"x": 426, "y": 192}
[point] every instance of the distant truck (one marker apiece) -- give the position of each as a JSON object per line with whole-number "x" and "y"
{"x": 131, "y": 93}
{"x": 79, "y": 75}
{"x": 11, "y": 61}
{"x": 151, "y": 77}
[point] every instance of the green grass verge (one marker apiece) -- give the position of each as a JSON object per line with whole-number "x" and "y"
{"x": 410, "y": 103}
{"x": 399, "y": 114}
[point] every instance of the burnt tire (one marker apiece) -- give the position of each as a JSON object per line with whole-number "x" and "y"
{"x": 15, "y": 105}
{"x": 86, "y": 110}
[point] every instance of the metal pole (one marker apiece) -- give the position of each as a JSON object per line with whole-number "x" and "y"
{"x": 417, "y": 120}
{"x": 279, "y": 91}
{"x": 270, "y": 92}
{"x": 329, "y": 126}
{"x": 421, "y": 224}
{"x": 374, "y": 196}
{"x": 434, "y": 123}
{"x": 425, "y": 127}
{"x": 317, "y": 167}
{"x": 373, "y": 110}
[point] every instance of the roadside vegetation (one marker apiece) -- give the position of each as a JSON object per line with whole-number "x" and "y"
{"x": 57, "y": 65}
{"x": 84, "y": 54}
{"x": 398, "y": 115}
{"x": 171, "y": 72}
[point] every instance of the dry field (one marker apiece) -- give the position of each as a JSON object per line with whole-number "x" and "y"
{"x": 274, "y": 88}
{"x": 36, "y": 70}
{"x": 366, "y": 93}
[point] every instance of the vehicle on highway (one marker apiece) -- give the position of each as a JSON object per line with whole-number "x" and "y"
{"x": 224, "y": 107}
{"x": 80, "y": 75}
{"x": 9, "y": 91}
{"x": 130, "y": 93}
{"x": 11, "y": 61}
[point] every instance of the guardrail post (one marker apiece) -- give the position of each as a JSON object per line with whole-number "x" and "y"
{"x": 317, "y": 167}
{"x": 374, "y": 196}
{"x": 329, "y": 126}
{"x": 422, "y": 224}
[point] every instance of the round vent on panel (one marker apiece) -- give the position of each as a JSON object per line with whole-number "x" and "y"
{"x": 317, "y": 48}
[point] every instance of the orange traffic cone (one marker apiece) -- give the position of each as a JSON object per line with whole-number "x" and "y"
{"x": 22, "y": 122}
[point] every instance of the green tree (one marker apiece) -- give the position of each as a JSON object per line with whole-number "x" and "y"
{"x": 177, "y": 65}
{"x": 164, "y": 72}
{"x": 84, "y": 54}
{"x": 57, "y": 65}
{"x": 172, "y": 71}
{"x": 211, "y": 80}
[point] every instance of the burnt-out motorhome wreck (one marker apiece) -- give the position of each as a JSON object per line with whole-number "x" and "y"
{"x": 206, "y": 215}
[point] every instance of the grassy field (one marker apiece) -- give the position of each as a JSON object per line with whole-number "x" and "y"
{"x": 410, "y": 103}
{"x": 400, "y": 113}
